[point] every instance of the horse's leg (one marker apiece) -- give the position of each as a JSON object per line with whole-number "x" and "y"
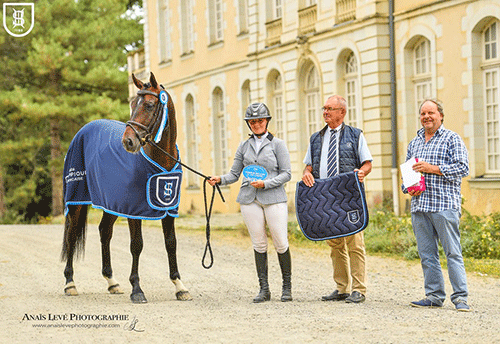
{"x": 106, "y": 232}
{"x": 171, "y": 245}
{"x": 73, "y": 242}
{"x": 136, "y": 245}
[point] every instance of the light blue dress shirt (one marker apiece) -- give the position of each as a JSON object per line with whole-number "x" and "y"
{"x": 363, "y": 152}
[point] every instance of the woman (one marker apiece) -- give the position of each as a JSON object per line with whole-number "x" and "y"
{"x": 263, "y": 201}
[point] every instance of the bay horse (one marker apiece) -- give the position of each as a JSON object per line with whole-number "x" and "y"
{"x": 152, "y": 114}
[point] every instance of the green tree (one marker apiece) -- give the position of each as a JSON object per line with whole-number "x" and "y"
{"x": 69, "y": 70}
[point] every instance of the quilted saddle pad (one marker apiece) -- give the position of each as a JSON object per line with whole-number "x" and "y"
{"x": 332, "y": 208}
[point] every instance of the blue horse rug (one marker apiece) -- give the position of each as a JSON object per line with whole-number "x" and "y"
{"x": 332, "y": 208}
{"x": 98, "y": 171}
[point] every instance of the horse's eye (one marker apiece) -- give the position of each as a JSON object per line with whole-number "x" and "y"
{"x": 149, "y": 106}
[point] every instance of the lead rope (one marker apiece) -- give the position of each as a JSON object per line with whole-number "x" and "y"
{"x": 208, "y": 214}
{"x": 208, "y": 210}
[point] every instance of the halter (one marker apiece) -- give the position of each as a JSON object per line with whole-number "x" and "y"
{"x": 157, "y": 115}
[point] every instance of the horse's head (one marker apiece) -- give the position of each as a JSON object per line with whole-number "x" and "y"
{"x": 145, "y": 114}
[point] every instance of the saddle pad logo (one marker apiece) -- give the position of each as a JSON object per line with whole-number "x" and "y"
{"x": 164, "y": 190}
{"x": 353, "y": 216}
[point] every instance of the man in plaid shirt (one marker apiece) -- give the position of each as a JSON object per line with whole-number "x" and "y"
{"x": 435, "y": 212}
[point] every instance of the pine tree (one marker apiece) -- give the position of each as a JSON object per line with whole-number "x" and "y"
{"x": 69, "y": 70}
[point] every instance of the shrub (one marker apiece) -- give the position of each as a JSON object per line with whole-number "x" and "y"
{"x": 388, "y": 233}
{"x": 480, "y": 236}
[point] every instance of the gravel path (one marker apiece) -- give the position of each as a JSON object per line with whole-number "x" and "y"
{"x": 34, "y": 308}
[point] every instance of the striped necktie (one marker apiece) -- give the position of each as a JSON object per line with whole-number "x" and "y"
{"x": 332, "y": 154}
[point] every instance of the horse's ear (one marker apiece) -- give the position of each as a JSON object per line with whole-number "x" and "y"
{"x": 138, "y": 83}
{"x": 153, "y": 81}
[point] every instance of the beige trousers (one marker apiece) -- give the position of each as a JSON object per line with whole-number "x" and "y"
{"x": 348, "y": 259}
{"x": 257, "y": 215}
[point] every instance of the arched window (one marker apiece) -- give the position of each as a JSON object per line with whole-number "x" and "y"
{"x": 192, "y": 148}
{"x": 491, "y": 75}
{"x": 307, "y": 3}
{"x": 312, "y": 101}
{"x": 277, "y": 105}
{"x": 187, "y": 26}
{"x": 351, "y": 90}
{"x": 277, "y": 9}
{"x": 245, "y": 101}
{"x": 220, "y": 132}
{"x": 243, "y": 16}
{"x": 491, "y": 41}
{"x": 422, "y": 78}
{"x": 164, "y": 40}
{"x": 216, "y": 21}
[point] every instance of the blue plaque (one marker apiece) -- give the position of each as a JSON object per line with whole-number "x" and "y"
{"x": 255, "y": 172}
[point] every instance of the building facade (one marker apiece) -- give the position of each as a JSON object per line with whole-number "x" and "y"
{"x": 215, "y": 57}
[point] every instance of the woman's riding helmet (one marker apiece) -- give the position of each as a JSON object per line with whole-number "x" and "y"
{"x": 256, "y": 111}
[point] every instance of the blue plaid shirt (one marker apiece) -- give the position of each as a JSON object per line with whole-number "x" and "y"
{"x": 446, "y": 150}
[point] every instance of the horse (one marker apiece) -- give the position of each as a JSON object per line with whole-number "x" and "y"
{"x": 152, "y": 113}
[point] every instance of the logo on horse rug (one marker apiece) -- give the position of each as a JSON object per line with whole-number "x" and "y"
{"x": 99, "y": 172}
{"x": 164, "y": 190}
{"x": 332, "y": 208}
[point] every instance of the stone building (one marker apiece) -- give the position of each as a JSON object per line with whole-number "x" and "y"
{"x": 217, "y": 56}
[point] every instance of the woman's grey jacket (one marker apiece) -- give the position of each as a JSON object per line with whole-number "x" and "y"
{"x": 273, "y": 156}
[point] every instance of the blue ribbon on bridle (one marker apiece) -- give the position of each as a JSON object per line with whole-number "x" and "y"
{"x": 163, "y": 96}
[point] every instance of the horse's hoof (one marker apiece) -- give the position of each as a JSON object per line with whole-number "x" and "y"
{"x": 183, "y": 295}
{"x": 138, "y": 298}
{"x": 71, "y": 291}
{"x": 115, "y": 289}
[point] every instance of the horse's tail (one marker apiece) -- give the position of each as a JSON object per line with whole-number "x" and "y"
{"x": 75, "y": 228}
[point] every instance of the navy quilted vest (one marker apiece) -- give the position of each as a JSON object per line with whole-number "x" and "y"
{"x": 348, "y": 149}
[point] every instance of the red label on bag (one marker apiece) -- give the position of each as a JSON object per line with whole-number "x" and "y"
{"x": 420, "y": 186}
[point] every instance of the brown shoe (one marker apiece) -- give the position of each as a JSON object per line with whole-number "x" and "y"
{"x": 335, "y": 296}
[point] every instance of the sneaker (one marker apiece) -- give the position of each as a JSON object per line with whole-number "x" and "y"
{"x": 462, "y": 306}
{"x": 425, "y": 303}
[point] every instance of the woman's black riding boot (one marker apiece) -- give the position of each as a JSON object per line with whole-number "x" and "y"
{"x": 261, "y": 264}
{"x": 286, "y": 270}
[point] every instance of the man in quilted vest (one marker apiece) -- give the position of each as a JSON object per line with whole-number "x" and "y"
{"x": 350, "y": 153}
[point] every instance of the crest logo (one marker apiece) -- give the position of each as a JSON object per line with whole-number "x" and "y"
{"x": 353, "y": 216}
{"x": 18, "y": 18}
{"x": 164, "y": 190}
{"x": 167, "y": 190}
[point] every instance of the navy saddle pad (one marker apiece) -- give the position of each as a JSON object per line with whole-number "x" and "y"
{"x": 332, "y": 208}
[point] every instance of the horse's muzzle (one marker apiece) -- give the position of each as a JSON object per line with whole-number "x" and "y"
{"x": 133, "y": 141}
{"x": 130, "y": 145}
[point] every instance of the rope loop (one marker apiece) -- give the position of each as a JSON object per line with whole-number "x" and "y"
{"x": 208, "y": 209}
{"x": 208, "y": 214}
